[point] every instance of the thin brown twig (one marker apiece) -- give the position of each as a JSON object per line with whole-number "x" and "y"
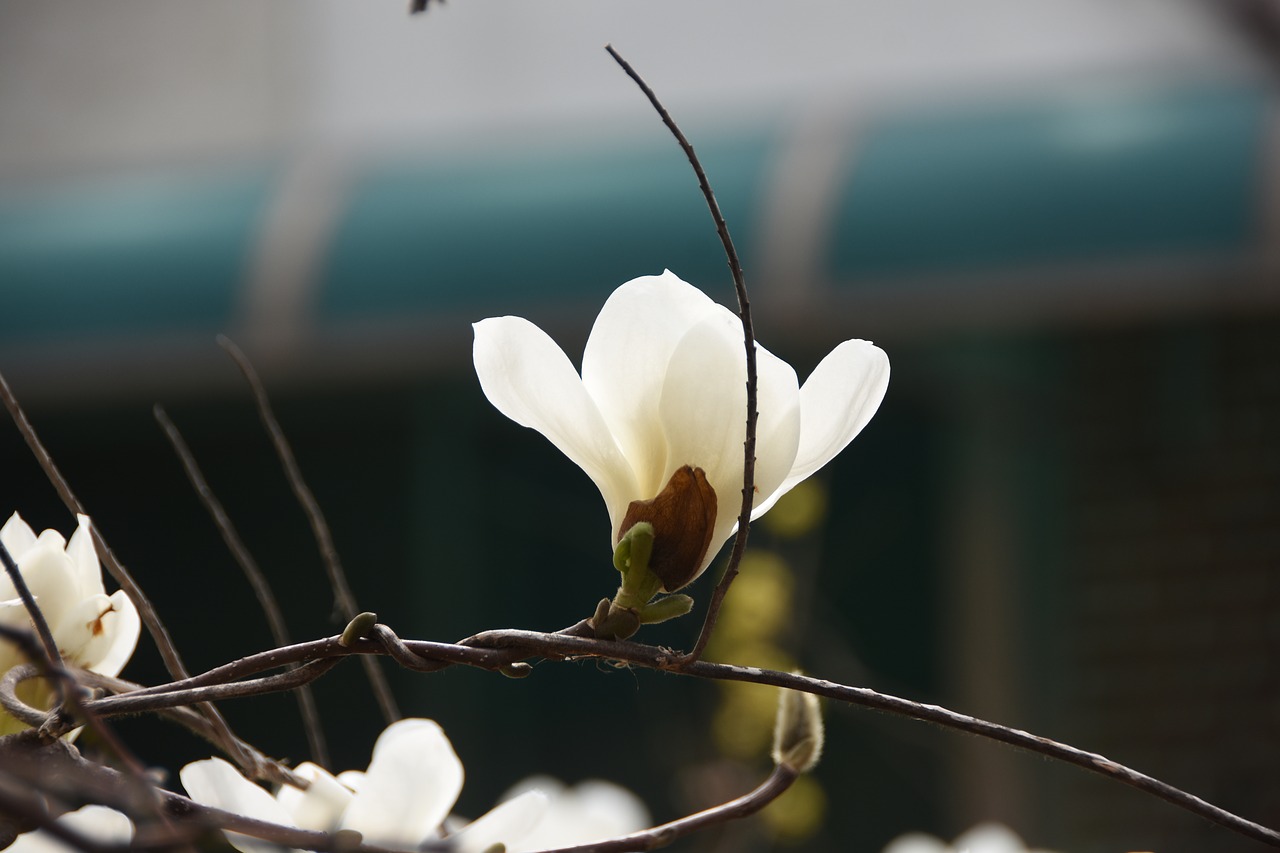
{"x": 48, "y": 648}
{"x": 749, "y": 341}
{"x": 769, "y": 790}
{"x": 71, "y": 696}
{"x": 343, "y": 598}
{"x": 146, "y": 610}
{"x": 257, "y": 580}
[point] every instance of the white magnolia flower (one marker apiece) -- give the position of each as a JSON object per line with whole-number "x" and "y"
{"x": 401, "y": 801}
{"x": 657, "y": 417}
{"x": 983, "y": 838}
{"x": 94, "y": 631}
{"x": 98, "y": 823}
{"x": 590, "y": 811}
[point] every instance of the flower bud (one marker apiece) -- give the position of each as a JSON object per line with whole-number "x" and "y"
{"x": 797, "y": 731}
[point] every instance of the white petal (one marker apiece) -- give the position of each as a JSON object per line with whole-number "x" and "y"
{"x": 917, "y": 842}
{"x": 48, "y": 573}
{"x": 321, "y": 805}
{"x": 84, "y": 559}
{"x": 591, "y": 811}
{"x": 990, "y": 838}
{"x": 214, "y": 782}
{"x": 98, "y": 823}
{"x": 16, "y": 536}
{"x": 625, "y": 364}
{"x": 836, "y": 402}
{"x": 704, "y": 408}
{"x": 505, "y": 824}
{"x": 412, "y": 783}
{"x": 352, "y": 779}
{"x": 530, "y": 380}
{"x": 121, "y": 628}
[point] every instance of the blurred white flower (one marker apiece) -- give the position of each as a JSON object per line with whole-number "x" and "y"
{"x": 401, "y": 801}
{"x": 93, "y": 631}
{"x": 590, "y": 811}
{"x": 983, "y": 838}
{"x": 657, "y": 417}
{"x": 97, "y": 823}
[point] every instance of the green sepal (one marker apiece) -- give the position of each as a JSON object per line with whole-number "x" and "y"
{"x": 668, "y": 607}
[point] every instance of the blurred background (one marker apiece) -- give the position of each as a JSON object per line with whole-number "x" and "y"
{"x": 1059, "y": 218}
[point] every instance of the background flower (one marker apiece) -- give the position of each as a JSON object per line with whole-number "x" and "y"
{"x": 402, "y": 800}
{"x": 92, "y": 630}
{"x": 99, "y": 823}
{"x": 983, "y": 838}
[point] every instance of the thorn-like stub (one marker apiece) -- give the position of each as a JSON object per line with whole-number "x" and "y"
{"x": 798, "y": 733}
{"x": 358, "y": 628}
{"x": 517, "y": 669}
{"x": 683, "y": 516}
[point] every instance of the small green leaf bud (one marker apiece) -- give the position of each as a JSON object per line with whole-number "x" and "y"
{"x": 358, "y": 628}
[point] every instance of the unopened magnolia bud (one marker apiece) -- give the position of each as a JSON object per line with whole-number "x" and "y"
{"x": 683, "y": 516}
{"x": 797, "y": 731}
{"x": 358, "y": 628}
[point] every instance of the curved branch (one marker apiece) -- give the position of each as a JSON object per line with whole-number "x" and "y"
{"x": 749, "y": 341}
{"x": 660, "y": 836}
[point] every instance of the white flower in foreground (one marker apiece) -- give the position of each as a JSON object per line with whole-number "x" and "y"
{"x": 983, "y": 838}
{"x": 657, "y": 417}
{"x": 401, "y": 801}
{"x": 97, "y": 823}
{"x": 93, "y": 631}
{"x": 590, "y": 811}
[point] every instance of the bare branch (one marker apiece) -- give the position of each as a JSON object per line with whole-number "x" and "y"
{"x": 150, "y": 617}
{"x": 257, "y": 580}
{"x": 47, "y": 651}
{"x": 749, "y": 341}
{"x": 344, "y": 600}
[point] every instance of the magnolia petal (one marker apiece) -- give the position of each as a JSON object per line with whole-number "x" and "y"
{"x": 214, "y": 782}
{"x": 504, "y": 824}
{"x": 84, "y": 559}
{"x": 624, "y": 364}
{"x": 321, "y": 805}
{"x": 97, "y": 823}
{"x": 122, "y": 626}
{"x": 17, "y": 536}
{"x": 990, "y": 838}
{"x": 703, "y": 410}
{"x": 412, "y": 782}
{"x": 917, "y": 842}
{"x": 778, "y": 427}
{"x": 528, "y": 378}
{"x": 591, "y": 811}
{"x": 836, "y": 402}
{"x": 353, "y": 779}
{"x": 48, "y": 574}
